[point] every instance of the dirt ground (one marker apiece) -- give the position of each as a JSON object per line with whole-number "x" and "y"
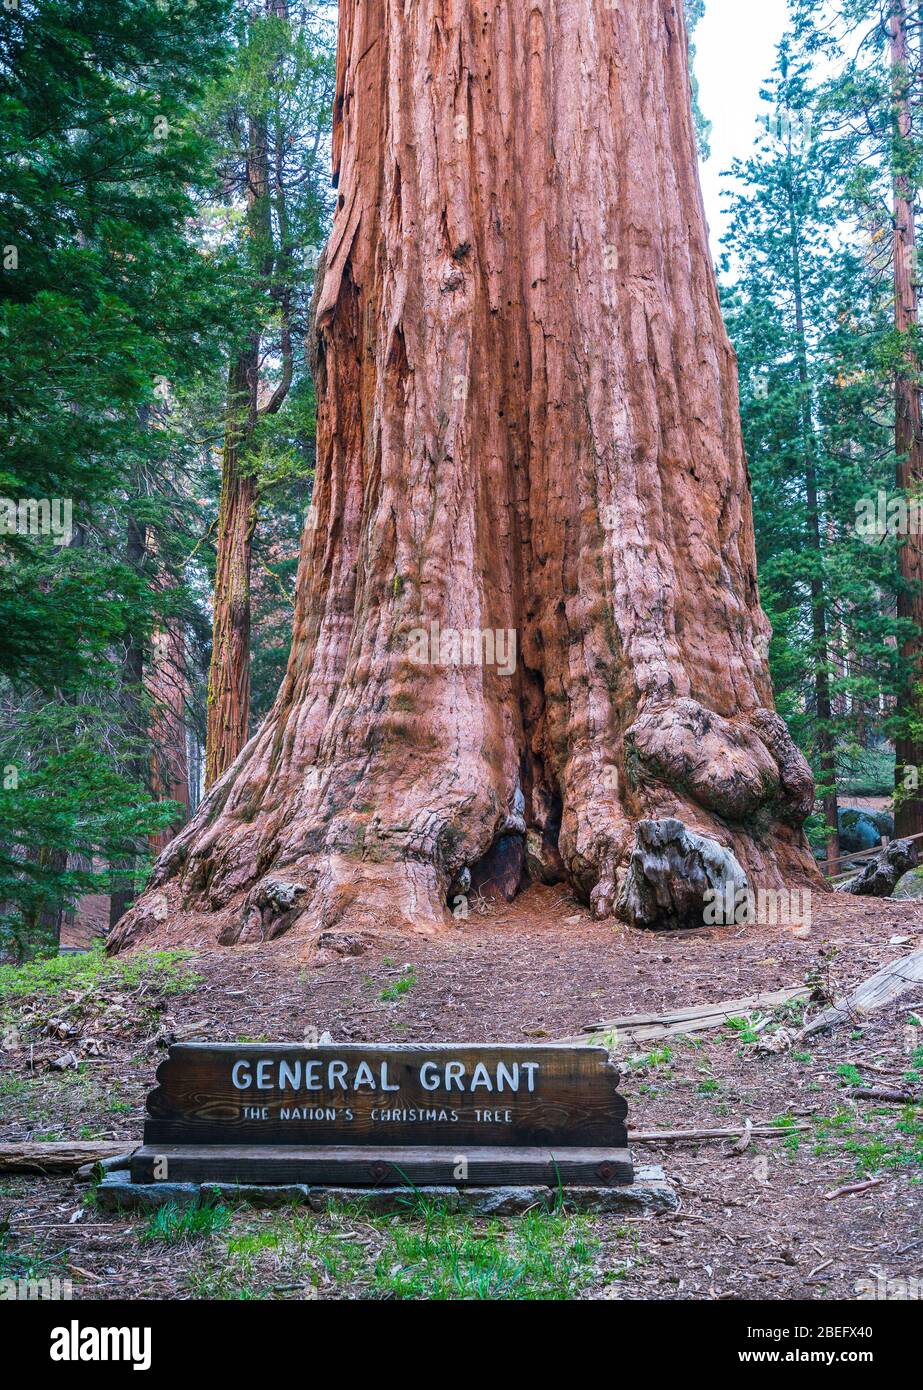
{"x": 757, "y": 1224}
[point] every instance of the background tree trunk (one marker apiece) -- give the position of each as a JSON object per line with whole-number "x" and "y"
{"x": 819, "y": 619}
{"x": 527, "y": 424}
{"x": 168, "y": 686}
{"x": 908, "y": 442}
{"x": 132, "y": 697}
{"x": 228, "y": 714}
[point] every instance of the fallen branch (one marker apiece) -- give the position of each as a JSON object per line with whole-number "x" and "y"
{"x": 881, "y": 875}
{"x": 870, "y": 1066}
{"x": 106, "y": 1165}
{"x": 56, "y": 1157}
{"x": 850, "y": 1188}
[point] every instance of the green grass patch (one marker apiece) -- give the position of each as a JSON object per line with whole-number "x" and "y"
{"x": 849, "y": 1075}
{"x": 914, "y": 1075}
{"x": 743, "y": 1028}
{"x": 12, "y": 1086}
{"x": 168, "y": 971}
{"x": 542, "y": 1255}
{"x": 424, "y": 1252}
{"x": 874, "y": 1141}
{"x": 660, "y": 1059}
{"x": 401, "y": 986}
{"x": 173, "y": 1225}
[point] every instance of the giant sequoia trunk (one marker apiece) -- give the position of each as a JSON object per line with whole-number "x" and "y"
{"x": 527, "y": 595}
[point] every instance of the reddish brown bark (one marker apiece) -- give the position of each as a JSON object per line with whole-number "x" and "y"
{"x": 228, "y": 715}
{"x": 908, "y": 442}
{"x": 167, "y": 685}
{"x": 136, "y": 551}
{"x": 528, "y": 423}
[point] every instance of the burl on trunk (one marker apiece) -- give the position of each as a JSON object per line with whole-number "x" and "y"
{"x": 527, "y": 614}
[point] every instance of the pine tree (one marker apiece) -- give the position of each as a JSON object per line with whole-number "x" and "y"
{"x": 273, "y": 168}
{"x": 805, "y": 314}
{"x": 106, "y": 306}
{"x": 867, "y": 109}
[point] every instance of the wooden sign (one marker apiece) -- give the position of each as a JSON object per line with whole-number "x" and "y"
{"x": 286, "y": 1112}
{"x": 255, "y": 1093}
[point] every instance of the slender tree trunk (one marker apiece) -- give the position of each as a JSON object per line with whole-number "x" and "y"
{"x": 527, "y": 596}
{"x": 823, "y": 704}
{"x": 42, "y": 935}
{"x": 908, "y": 442}
{"x": 228, "y": 714}
{"x": 132, "y": 684}
{"x": 167, "y": 685}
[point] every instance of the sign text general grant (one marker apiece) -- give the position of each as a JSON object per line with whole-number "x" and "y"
{"x": 294, "y": 1074}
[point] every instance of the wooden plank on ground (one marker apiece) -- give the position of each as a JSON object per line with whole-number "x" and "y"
{"x": 677, "y": 1136}
{"x": 633, "y": 1029}
{"x": 373, "y": 1166}
{"x": 59, "y": 1156}
{"x": 886, "y": 985}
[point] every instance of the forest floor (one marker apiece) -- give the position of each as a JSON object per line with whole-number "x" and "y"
{"x": 758, "y": 1224}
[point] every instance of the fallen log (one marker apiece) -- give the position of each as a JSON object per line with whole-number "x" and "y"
{"x": 59, "y": 1156}
{"x": 892, "y": 1094}
{"x": 886, "y": 985}
{"x": 639, "y": 1028}
{"x": 105, "y": 1165}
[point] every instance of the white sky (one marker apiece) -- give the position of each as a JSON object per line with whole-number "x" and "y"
{"x": 735, "y": 53}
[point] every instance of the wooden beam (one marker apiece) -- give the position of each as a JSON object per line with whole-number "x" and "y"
{"x": 350, "y": 1165}
{"x": 58, "y": 1157}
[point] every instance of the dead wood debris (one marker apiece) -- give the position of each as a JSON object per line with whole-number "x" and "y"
{"x": 891, "y": 1094}
{"x": 633, "y": 1029}
{"x": 852, "y": 1188}
{"x": 886, "y": 985}
{"x": 676, "y": 1136}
